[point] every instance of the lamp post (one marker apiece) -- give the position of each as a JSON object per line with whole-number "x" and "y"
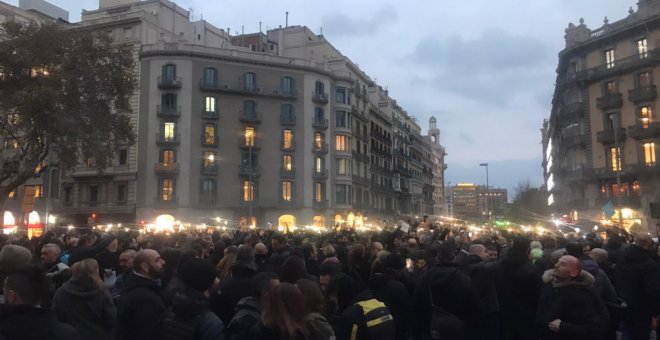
{"x": 49, "y": 197}
{"x": 487, "y": 191}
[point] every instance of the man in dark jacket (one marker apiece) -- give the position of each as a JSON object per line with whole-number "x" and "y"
{"x": 20, "y": 318}
{"x": 190, "y": 316}
{"x": 140, "y": 303}
{"x": 366, "y": 319}
{"x": 89, "y": 247}
{"x": 483, "y": 274}
{"x": 450, "y": 293}
{"x": 569, "y": 308}
{"x": 638, "y": 283}
{"x": 238, "y": 286}
{"x": 518, "y": 288}
{"x": 393, "y": 293}
{"x": 56, "y": 272}
{"x": 280, "y": 251}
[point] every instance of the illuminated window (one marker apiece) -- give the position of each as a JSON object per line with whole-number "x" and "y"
{"x": 287, "y": 139}
{"x": 167, "y": 189}
{"x": 649, "y": 153}
{"x": 610, "y": 87}
{"x": 609, "y": 58}
{"x": 209, "y": 159}
{"x": 11, "y": 143}
{"x": 249, "y": 136}
{"x": 209, "y": 134}
{"x": 248, "y": 191}
{"x": 318, "y": 192}
{"x": 287, "y": 191}
{"x": 614, "y": 154}
{"x": 642, "y": 48}
{"x": 645, "y": 116}
{"x": 318, "y": 140}
{"x": 341, "y": 143}
{"x": 12, "y": 194}
{"x": 209, "y": 104}
{"x": 90, "y": 162}
{"x": 167, "y": 157}
{"x": 635, "y": 186}
{"x": 318, "y": 164}
{"x": 343, "y": 166}
{"x": 169, "y": 130}
{"x": 287, "y": 162}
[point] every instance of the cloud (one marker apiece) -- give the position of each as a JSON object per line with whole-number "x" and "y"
{"x": 341, "y": 25}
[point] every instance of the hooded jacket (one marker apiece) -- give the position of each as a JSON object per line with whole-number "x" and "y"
{"x": 581, "y": 311}
{"x": 81, "y": 303}
{"x": 231, "y": 291}
{"x": 395, "y": 296}
{"x": 32, "y": 323}
{"x": 247, "y": 314}
{"x": 139, "y": 309}
{"x": 190, "y": 317}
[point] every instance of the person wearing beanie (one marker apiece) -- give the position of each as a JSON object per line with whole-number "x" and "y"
{"x": 190, "y": 316}
{"x": 238, "y": 286}
{"x": 12, "y": 257}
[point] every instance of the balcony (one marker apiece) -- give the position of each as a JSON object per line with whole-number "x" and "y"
{"x": 607, "y": 137}
{"x": 168, "y": 111}
{"x": 254, "y": 145}
{"x": 652, "y": 169}
{"x": 322, "y": 204}
{"x": 361, "y": 180}
{"x": 245, "y": 170}
{"x": 320, "y": 175}
{"x": 291, "y": 146}
{"x": 320, "y": 97}
{"x": 639, "y": 132}
{"x": 172, "y": 203}
{"x": 610, "y": 101}
{"x": 319, "y": 123}
{"x": 169, "y": 83}
{"x": 321, "y": 149}
{"x": 287, "y": 119}
{"x": 210, "y": 142}
{"x": 574, "y": 140}
{"x": 287, "y": 173}
{"x": 209, "y": 169}
{"x": 210, "y": 114}
{"x": 286, "y": 94}
{"x": 573, "y": 108}
{"x": 621, "y": 66}
{"x": 632, "y": 201}
{"x": 166, "y": 168}
{"x": 168, "y": 139}
{"x": 250, "y": 117}
{"x": 643, "y": 94}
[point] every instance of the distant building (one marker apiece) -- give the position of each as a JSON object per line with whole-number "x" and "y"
{"x": 476, "y": 202}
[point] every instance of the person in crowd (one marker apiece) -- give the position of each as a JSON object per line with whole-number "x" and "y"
{"x": 385, "y": 287}
{"x": 12, "y": 257}
{"x": 568, "y": 308}
{"x": 190, "y": 316}
{"x": 88, "y": 246}
{"x": 56, "y": 272}
{"x": 108, "y": 260}
{"x": 484, "y": 277}
{"x": 518, "y": 287}
{"x": 316, "y": 324}
{"x": 248, "y": 309}
{"x": 223, "y": 269}
{"x": 638, "y": 284}
{"x": 358, "y": 268}
{"x": 261, "y": 258}
{"x": 140, "y": 303}
{"x": 293, "y": 269}
{"x": 311, "y": 259}
{"x": 339, "y": 290}
{"x": 445, "y": 301}
{"x": 84, "y": 302}
{"x": 126, "y": 259}
{"x": 238, "y": 286}
{"x": 280, "y": 251}
{"x": 218, "y": 253}
{"x": 282, "y": 316}
{"x": 21, "y": 316}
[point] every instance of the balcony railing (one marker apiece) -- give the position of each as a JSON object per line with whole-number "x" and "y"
{"x": 321, "y": 124}
{"x": 608, "y": 136}
{"x": 610, "y": 101}
{"x": 287, "y": 119}
{"x": 320, "y": 175}
{"x": 643, "y": 94}
{"x": 159, "y": 202}
{"x": 252, "y": 117}
{"x": 287, "y": 173}
{"x": 169, "y": 83}
{"x": 241, "y": 88}
{"x": 322, "y": 204}
{"x": 213, "y": 114}
{"x": 166, "y": 168}
{"x": 573, "y": 108}
{"x": 574, "y": 140}
{"x": 291, "y": 146}
{"x": 620, "y": 66}
{"x": 255, "y": 143}
{"x": 320, "y": 97}
{"x": 320, "y": 149}
{"x": 245, "y": 170}
{"x": 210, "y": 169}
{"x": 168, "y": 111}
{"x": 640, "y": 132}
{"x": 167, "y": 139}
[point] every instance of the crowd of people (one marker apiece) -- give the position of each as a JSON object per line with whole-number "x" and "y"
{"x": 431, "y": 283}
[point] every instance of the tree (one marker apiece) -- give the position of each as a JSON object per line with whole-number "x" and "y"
{"x": 61, "y": 98}
{"x": 529, "y": 204}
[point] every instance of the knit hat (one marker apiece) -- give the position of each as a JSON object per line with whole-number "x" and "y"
{"x": 13, "y": 257}
{"x": 197, "y": 274}
{"x": 245, "y": 258}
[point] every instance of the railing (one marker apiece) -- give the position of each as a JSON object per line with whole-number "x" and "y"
{"x": 320, "y": 149}
{"x": 617, "y": 67}
{"x": 287, "y": 173}
{"x": 253, "y": 117}
{"x": 291, "y": 146}
{"x": 242, "y": 88}
{"x": 320, "y": 97}
{"x": 320, "y": 175}
{"x": 166, "y": 168}
{"x": 210, "y": 169}
{"x": 322, "y": 204}
{"x": 165, "y": 204}
{"x": 169, "y": 83}
{"x": 642, "y": 94}
{"x": 318, "y": 123}
{"x": 608, "y": 136}
{"x": 638, "y": 131}
{"x": 210, "y": 114}
{"x": 163, "y": 139}
{"x": 610, "y": 101}
{"x": 255, "y": 143}
{"x": 287, "y": 119}
{"x": 245, "y": 170}
{"x": 168, "y": 111}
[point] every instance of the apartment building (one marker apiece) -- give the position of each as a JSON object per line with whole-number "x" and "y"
{"x": 477, "y": 202}
{"x": 600, "y": 142}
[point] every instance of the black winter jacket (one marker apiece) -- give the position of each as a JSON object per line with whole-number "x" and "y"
{"x": 231, "y": 291}
{"x": 637, "y": 280}
{"x": 190, "y": 318}
{"x": 395, "y": 296}
{"x": 32, "y": 323}
{"x": 139, "y": 309}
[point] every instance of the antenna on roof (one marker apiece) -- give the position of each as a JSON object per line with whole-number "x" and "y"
{"x": 259, "y": 26}
{"x": 287, "y": 19}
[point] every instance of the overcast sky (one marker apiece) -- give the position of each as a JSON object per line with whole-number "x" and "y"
{"x": 484, "y": 69}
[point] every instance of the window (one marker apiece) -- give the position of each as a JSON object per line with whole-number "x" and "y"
{"x": 167, "y": 157}
{"x": 318, "y": 140}
{"x": 343, "y": 166}
{"x": 167, "y": 189}
{"x": 644, "y": 79}
{"x": 609, "y": 58}
{"x": 342, "y": 143}
{"x": 614, "y": 158}
{"x": 319, "y": 192}
{"x": 611, "y": 121}
{"x": 123, "y": 157}
{"x": 210, "y": 77}
{"x": 207, "y": 194}
{"x": 287, "y": 163}
{"x": 11, "y": 143}
{"x": 128, "y": 32}
{"x": 342, "y": 119}
{"x": 169, "y": 72}
{"x": 319, "y": 115}
{"x": 342, "y": 95}
{"x": 649, "y": 154}
{"x": 342, "y": 191}
{"x": 250, "y": 81}
{"x": 12, "y": 194}
{"x": 318, "y": 164}
{"x": 208, "y": 159}
{"x": 249, "y": 136}
{"x": 250, "y": 160}
{"x": 287, "y": 191}
{"x": 249, "y": 108}
{"x": 645, "y": 116}
{"x": 93, "y": 193}
{"x": 121, "y": 192}
{"x": 209, "y": 104}
{"x": 248, "y": 191}
{"x": 610, "y": 87}
{"x": 210, "y": 137}
{"x": 168, "y": 101}
{"x": 319, "y": 87}
{"x": 287, "y": 139}
{"x": 286, "y": 113}
{"x": 288, "y": 87}
{"x": 68, "y": 194}
{"x": 642, "y": 48}
{"x": 168, "y": 130}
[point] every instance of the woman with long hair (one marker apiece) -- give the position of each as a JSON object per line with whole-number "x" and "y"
{"x": 282, "y": 315}
{"x": 84, "y": 302}
{"x": 314, "y": 303}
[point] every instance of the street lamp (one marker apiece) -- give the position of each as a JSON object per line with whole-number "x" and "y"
{"x": 487, "y": 191}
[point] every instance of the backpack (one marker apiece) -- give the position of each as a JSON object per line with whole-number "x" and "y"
{"x": 376, "y": 322}
{"x": 444, "y": 324}
{"x": 246, "y": 316}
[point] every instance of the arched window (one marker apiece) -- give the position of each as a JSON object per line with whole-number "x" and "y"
{"x": 210, "y": 77}
{"x": 169, "y": 72}
{"x": 250, "y": 81}
{"x": 288, "y": 87}
{"x": 319, "y": 87}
